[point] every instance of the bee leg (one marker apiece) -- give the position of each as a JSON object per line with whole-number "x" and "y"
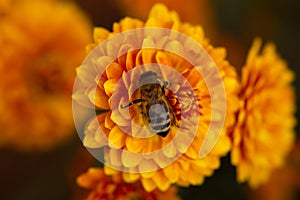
{"x": 165, "y": 85}
{"x": 131, "y": 103}
{"x": 173, "y": 119}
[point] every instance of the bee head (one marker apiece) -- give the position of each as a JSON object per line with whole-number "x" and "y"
{"x": 148, "y": 78}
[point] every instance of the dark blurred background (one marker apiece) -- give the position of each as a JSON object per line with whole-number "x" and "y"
{"x": 232, "y": 24}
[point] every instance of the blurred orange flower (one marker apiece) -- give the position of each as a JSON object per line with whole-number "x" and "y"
{"x": 264, "y": 133}
{"x": 113, "y": 188}
{"x": 189, "y": 168}
{"x": 41, "y": 43}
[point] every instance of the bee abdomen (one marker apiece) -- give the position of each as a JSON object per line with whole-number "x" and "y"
{"x": 161, "y": 128}
{"x": 159, "y": 119}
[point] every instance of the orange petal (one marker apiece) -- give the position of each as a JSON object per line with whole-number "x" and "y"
{"x": 130, "y": 177}
{"x": 89, "y": 141}
{"x": 116, "y": 138}
{"x": 182, "y": 141}
{"x": 184, "y": 164}
{"x": 148, "y": 56}
{"x": 172, "y": 172}
{"x": 100, "y": 34}
{"x": 99, "y": 98}
{"x": 139, "y": 59}
{"x": 169, "y": 150}
{"x": 148, "y": 184}
{"x": 218, "y": 54}
{"x": 161, "y": 159}
{"x": 114, "y": 71}
{"x": 109, "y": 86}
{"x": 130, "y": 159}
{"x": 193, "y": 151}
{"x": 101, "y": 138}
{"x": 147, "y": 174}
{"x": 103, "y": 61}
{"x": 108, "y": 122}
{"x": 222, "y": 146}
{"x": 130, "y": 23}
{"x": 161, "y": 181}
{"x": 118, "y": 119}
{"x": 115, "y": 157}
{"x": 147, "y": 166}
{"x": 130, "y": 60}
{"x": 122, "y": 54}
{"x": 243, "y": 171}
{"x": 162, "y": 58}
{"x": 134, "y": 144}
{"x": 174, "y": 47}
{"x": 94, "y": 138}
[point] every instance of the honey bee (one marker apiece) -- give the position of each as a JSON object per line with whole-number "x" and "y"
{"x": 157, "y": 113}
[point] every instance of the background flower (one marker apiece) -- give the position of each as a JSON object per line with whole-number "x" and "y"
{"x": 38, "y": 55}
{"x": 264, "y": 132}
{"x": 112, "y": 187}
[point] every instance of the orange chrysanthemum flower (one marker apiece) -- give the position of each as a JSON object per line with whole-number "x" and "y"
{"x": 264, "y": 133}
{"x": 41, "y": 43}
{"x": 129, "y": 149}
{"x": 113, "y": 188}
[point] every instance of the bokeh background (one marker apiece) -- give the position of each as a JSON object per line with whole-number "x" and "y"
{"x": 233, "y": 24}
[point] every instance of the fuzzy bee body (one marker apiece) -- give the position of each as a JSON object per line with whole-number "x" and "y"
{"x": 157, "y": 113}
{"x": 159, "y": 119}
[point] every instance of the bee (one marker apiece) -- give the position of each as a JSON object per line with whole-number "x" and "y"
{"x": 157, "y": 113}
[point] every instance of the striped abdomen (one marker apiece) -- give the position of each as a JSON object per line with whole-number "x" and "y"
{"x": 159, "y": 118}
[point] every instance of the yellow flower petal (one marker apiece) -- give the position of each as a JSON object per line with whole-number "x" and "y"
{"x": 100, "y": 34}
{"x": 170, "y": 150}
{"x": 130, "y": 177}
{"x": 172, "y": 172}
{"x": 148, "y": 184}
{"x": 114, "y": 71}
{"x": 99, "y": 98}
{"x": 109, "y": 86}
{"x": 131, "y": 159}
{"x": 115, "y": 157}
{"x": 116, "y": 138}
{"x": 161, "y": 181}
{"x": 147, "y": 166}
{"x": 133, "y": 144}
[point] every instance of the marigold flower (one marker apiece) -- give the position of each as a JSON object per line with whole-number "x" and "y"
{"x": 188, "y": 168}
{"x": 114, "y": 188}
{"x": 264, "y": 132}
{"x": 41, "y": 43}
